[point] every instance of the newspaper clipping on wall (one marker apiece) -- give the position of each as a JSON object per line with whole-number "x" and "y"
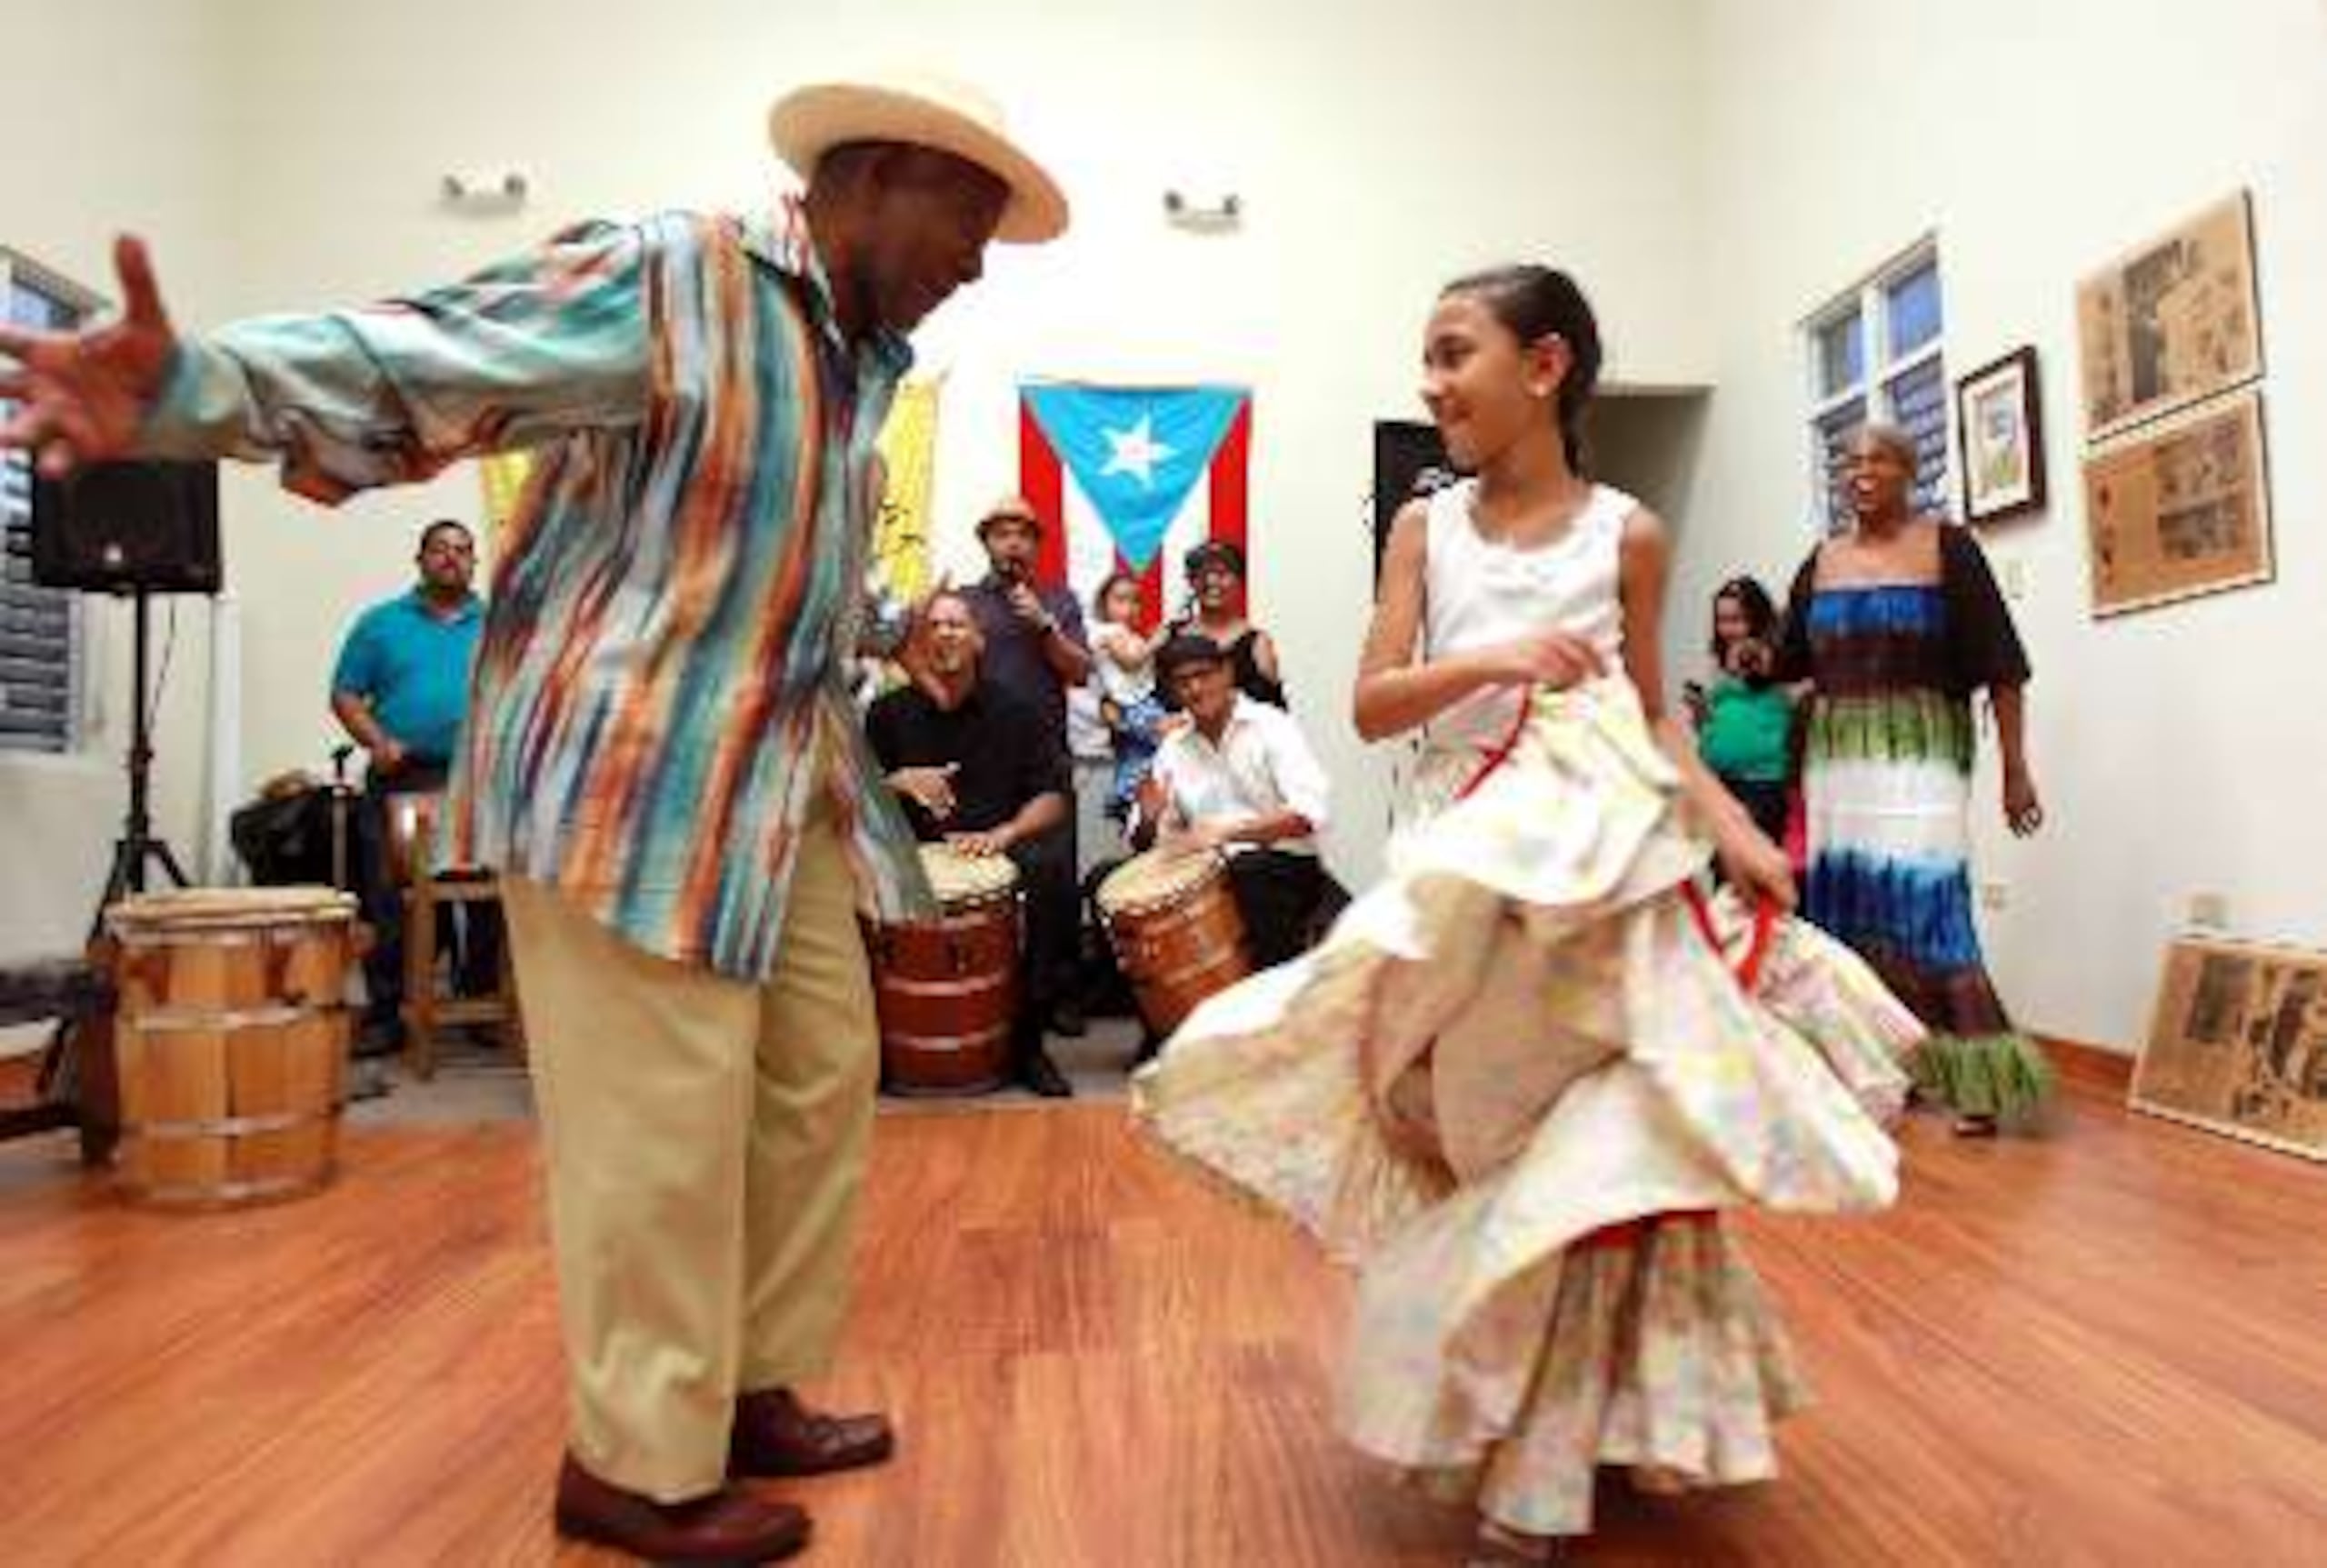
{"x": 2169, "y": 323}
{"x": 2180, "y": 510}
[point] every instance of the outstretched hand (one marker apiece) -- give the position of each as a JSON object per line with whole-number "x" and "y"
{"x": 931, "y": 788}
{"x": 82, "y": 396}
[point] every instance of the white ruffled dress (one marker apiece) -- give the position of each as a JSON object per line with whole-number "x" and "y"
{"x": 1517, "y": 1087}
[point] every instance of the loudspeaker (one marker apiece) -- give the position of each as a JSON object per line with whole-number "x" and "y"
{"x": 1409, "y": 460}
{"x": 120, "y": 528}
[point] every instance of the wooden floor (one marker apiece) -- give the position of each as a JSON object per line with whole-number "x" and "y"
{"x": 2109, "y": 1346}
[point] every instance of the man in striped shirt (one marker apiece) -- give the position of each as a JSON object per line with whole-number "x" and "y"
{"x": 660, "y": 756}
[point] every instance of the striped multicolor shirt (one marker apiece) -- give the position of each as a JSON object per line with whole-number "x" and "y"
{"x": 660, "y": 688}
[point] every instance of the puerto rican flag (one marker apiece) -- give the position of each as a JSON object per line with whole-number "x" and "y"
{"x": 1130, "y": 479}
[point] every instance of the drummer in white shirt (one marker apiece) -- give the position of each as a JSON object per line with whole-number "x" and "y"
{"x": 1241, "y": 779}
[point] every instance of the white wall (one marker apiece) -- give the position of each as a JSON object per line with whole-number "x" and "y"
{"x": 1711, "y": 168}
{"x": 1375, "y": 155}
{"x": 1649, "y": 445}
{"x": 110, "y": 110}
{"x": 2177, "y": 749}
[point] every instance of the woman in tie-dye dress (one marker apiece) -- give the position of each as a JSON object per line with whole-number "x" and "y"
{"x": 1521, "y": 1083}
{"x": 1896, "y": 623}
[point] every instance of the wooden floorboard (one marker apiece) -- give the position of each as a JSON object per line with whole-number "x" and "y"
{"x": 2103, "y": 1346}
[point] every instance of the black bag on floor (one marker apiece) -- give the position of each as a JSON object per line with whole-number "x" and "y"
{"x": 285, "y": 838}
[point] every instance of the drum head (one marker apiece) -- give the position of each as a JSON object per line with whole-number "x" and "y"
{"x": 959, "y": 879}
{"x": 207, "y": 907}
{"x": 1155, "y": 877}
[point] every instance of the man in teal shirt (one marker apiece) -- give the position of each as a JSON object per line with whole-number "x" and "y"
{"x": 401, "y": 690}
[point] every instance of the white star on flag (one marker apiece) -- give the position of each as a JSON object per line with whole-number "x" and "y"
{"x": 1136, "y": 452}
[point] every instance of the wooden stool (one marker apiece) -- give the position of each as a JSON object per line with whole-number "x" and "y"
{"x": 412, "y": 826}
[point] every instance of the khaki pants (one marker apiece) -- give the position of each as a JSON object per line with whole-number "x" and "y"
{"x": 705, "y": 1142}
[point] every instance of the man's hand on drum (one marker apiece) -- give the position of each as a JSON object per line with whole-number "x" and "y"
{"x": 930, "y": 788}
{"x": 1177, "y": 839}
{"x": 978, "y": 846}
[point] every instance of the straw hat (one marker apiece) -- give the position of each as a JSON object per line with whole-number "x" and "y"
{"x": 923, "y": 111}
{"x": 1010, "y": 509}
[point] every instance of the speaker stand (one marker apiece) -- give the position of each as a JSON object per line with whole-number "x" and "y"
{"x": 138, "y": 846}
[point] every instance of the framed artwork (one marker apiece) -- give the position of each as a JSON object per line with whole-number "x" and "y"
{"x": 2238, "y": 1044}
{"x": 2169, "y": 323}
{"x": 2001, "y": 426}
{"x": 2180, "y": 510}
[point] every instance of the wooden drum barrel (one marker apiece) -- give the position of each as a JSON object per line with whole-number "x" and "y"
{"x": 1177, "y": 936}
{"x": 948, "y": 990}
{"x": 230, "y": 1041}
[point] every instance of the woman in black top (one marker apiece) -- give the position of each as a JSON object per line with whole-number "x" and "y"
{"x": 1215, "y": 570}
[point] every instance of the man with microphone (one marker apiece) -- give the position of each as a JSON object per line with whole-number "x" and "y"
{"x": 1033, "y": 648}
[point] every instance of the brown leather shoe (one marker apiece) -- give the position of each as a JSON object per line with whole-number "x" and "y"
{"x": 730, "y": 1525}
{"x": 775, "y": 1434}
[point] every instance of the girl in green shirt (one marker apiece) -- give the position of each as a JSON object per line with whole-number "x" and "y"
{"x": 1746, "y": 721}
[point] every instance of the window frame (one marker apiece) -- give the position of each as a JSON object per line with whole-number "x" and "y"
{"x": 18, "y": 270}
{"x": 1870, "y": 298}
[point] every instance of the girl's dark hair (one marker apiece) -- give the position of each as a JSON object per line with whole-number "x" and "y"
{"x": 1760, "y": 612}
{"x": 1532, "y": 303}
{"x": 1099, "y": 595}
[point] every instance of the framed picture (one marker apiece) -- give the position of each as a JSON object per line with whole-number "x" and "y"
{"x": 2169, "y": 323}
{"x": 1997, "y": 413}
{"x": 2237, "y": 1044}
{"x": 2180, "y": 509}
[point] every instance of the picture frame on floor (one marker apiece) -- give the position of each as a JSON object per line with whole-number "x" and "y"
{"x": 1997, "y": 412}
{"x": 2237, "y": 1044}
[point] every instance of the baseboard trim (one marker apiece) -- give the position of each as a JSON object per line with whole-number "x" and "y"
{"x": 2089, "y": 1065}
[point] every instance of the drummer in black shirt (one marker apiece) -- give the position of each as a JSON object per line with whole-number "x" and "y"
{"x": 978, "y": 769}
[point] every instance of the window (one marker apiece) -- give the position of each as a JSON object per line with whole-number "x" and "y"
{"x": 1876, "y": 353}
{"x": 40, "y": 663}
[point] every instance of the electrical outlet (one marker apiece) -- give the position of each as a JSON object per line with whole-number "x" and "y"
{"x": 2210, "y": 911}
{"x": 1995, "y": 895}
{"x": 2012, "y": 574}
